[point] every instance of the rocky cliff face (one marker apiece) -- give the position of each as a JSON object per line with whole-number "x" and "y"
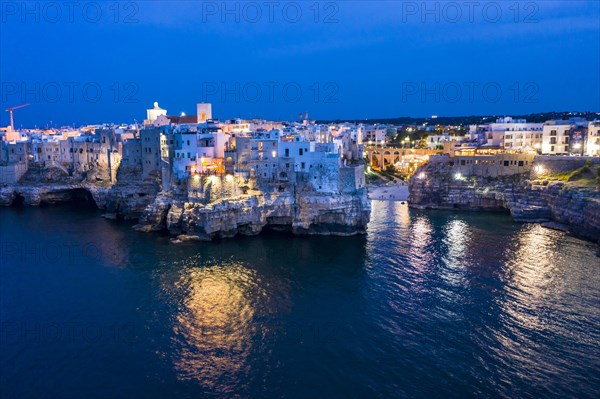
{"x": 249, "y": 214}
{"x": 302, "y": 212}
{"x": 126, "y": 199}
{"x": 578, "y": 208}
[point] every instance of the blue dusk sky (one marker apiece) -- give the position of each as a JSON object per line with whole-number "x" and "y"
{"x": 92, "y": 62}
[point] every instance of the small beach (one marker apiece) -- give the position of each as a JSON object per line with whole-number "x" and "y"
{"x": 388, "y": 192}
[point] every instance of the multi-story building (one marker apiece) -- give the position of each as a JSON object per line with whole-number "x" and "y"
{"x": 198, "y": 150}
{"x": 437, "y": 141}
{"x": 375, "y": 134}
{"x": 509, "y": 133}
{"x": 564, "y": 137}
{"x": 592, "y": 142}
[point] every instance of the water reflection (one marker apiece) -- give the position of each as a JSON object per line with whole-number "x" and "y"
{"x": 212, "y": 328}
{"x": 457, "y": 239}
{"x": 427, "y": 304}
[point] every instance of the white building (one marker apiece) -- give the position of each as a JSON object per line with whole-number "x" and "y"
{"x": 204, "y": 112}
{"x": 556, "y": 139}
{"x": 592, "y": 144}
{"x": 153, "y": 113}
{"x": 437, "y": 141}
{"x": 375, "y": 134}
{"x": 198, "y": 152}
{"x": 509, "y": 133}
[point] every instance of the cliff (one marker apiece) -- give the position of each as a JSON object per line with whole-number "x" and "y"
{"x": 249, "y": 214}
{"x": 572, "y": 204}
{"x": 126, "y": 199}
{"x": 200, "y": 214}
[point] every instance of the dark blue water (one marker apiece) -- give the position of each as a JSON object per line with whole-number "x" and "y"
{"x": 426, "y": 305}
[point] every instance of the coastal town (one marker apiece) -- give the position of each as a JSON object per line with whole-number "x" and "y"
{"x": 300, "y": 199}
{"x": 189, "y": 146}
{"x": 184, "y": 173}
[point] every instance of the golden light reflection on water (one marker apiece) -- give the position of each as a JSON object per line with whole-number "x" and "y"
{"x": 213, "y": 323}
{"x": 457, "y": 237}
{"x": 534, "y": 264}
{"x": 419, "y": 241}
{"x": 533, "y": 275}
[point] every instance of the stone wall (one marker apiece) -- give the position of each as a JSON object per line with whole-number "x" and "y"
{"x": 352, "y": 178}
{"x": 485, "y": 165}
{"x": 552, "y": 164}
{"x": 12, "y": 173}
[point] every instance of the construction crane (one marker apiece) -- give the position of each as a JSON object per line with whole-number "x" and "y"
{"x": 10, "y": 111}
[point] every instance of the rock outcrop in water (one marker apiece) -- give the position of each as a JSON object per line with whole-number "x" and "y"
{"x": 528, "y": 199}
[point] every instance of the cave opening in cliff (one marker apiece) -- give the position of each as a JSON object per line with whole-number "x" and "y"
{"x": 76, "y": 198}
{"x": 82, "y": 198}
{"x": 18, "y": 201}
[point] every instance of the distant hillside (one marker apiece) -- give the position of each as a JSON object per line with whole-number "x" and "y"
{"x": 470, "y": 120}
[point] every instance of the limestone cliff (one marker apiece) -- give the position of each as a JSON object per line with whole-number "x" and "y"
{"x": 126, "y": 199}
{"x": 527, "y": 199}
{"x": 199, "y": 214}
{"x": 249, "y": 214}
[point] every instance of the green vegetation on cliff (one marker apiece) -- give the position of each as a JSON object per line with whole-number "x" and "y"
{"x": 586, "y": 176}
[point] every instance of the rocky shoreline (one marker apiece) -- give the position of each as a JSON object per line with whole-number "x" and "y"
{"x": 555, "y": 204}
{"x": 300, "y": 212}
